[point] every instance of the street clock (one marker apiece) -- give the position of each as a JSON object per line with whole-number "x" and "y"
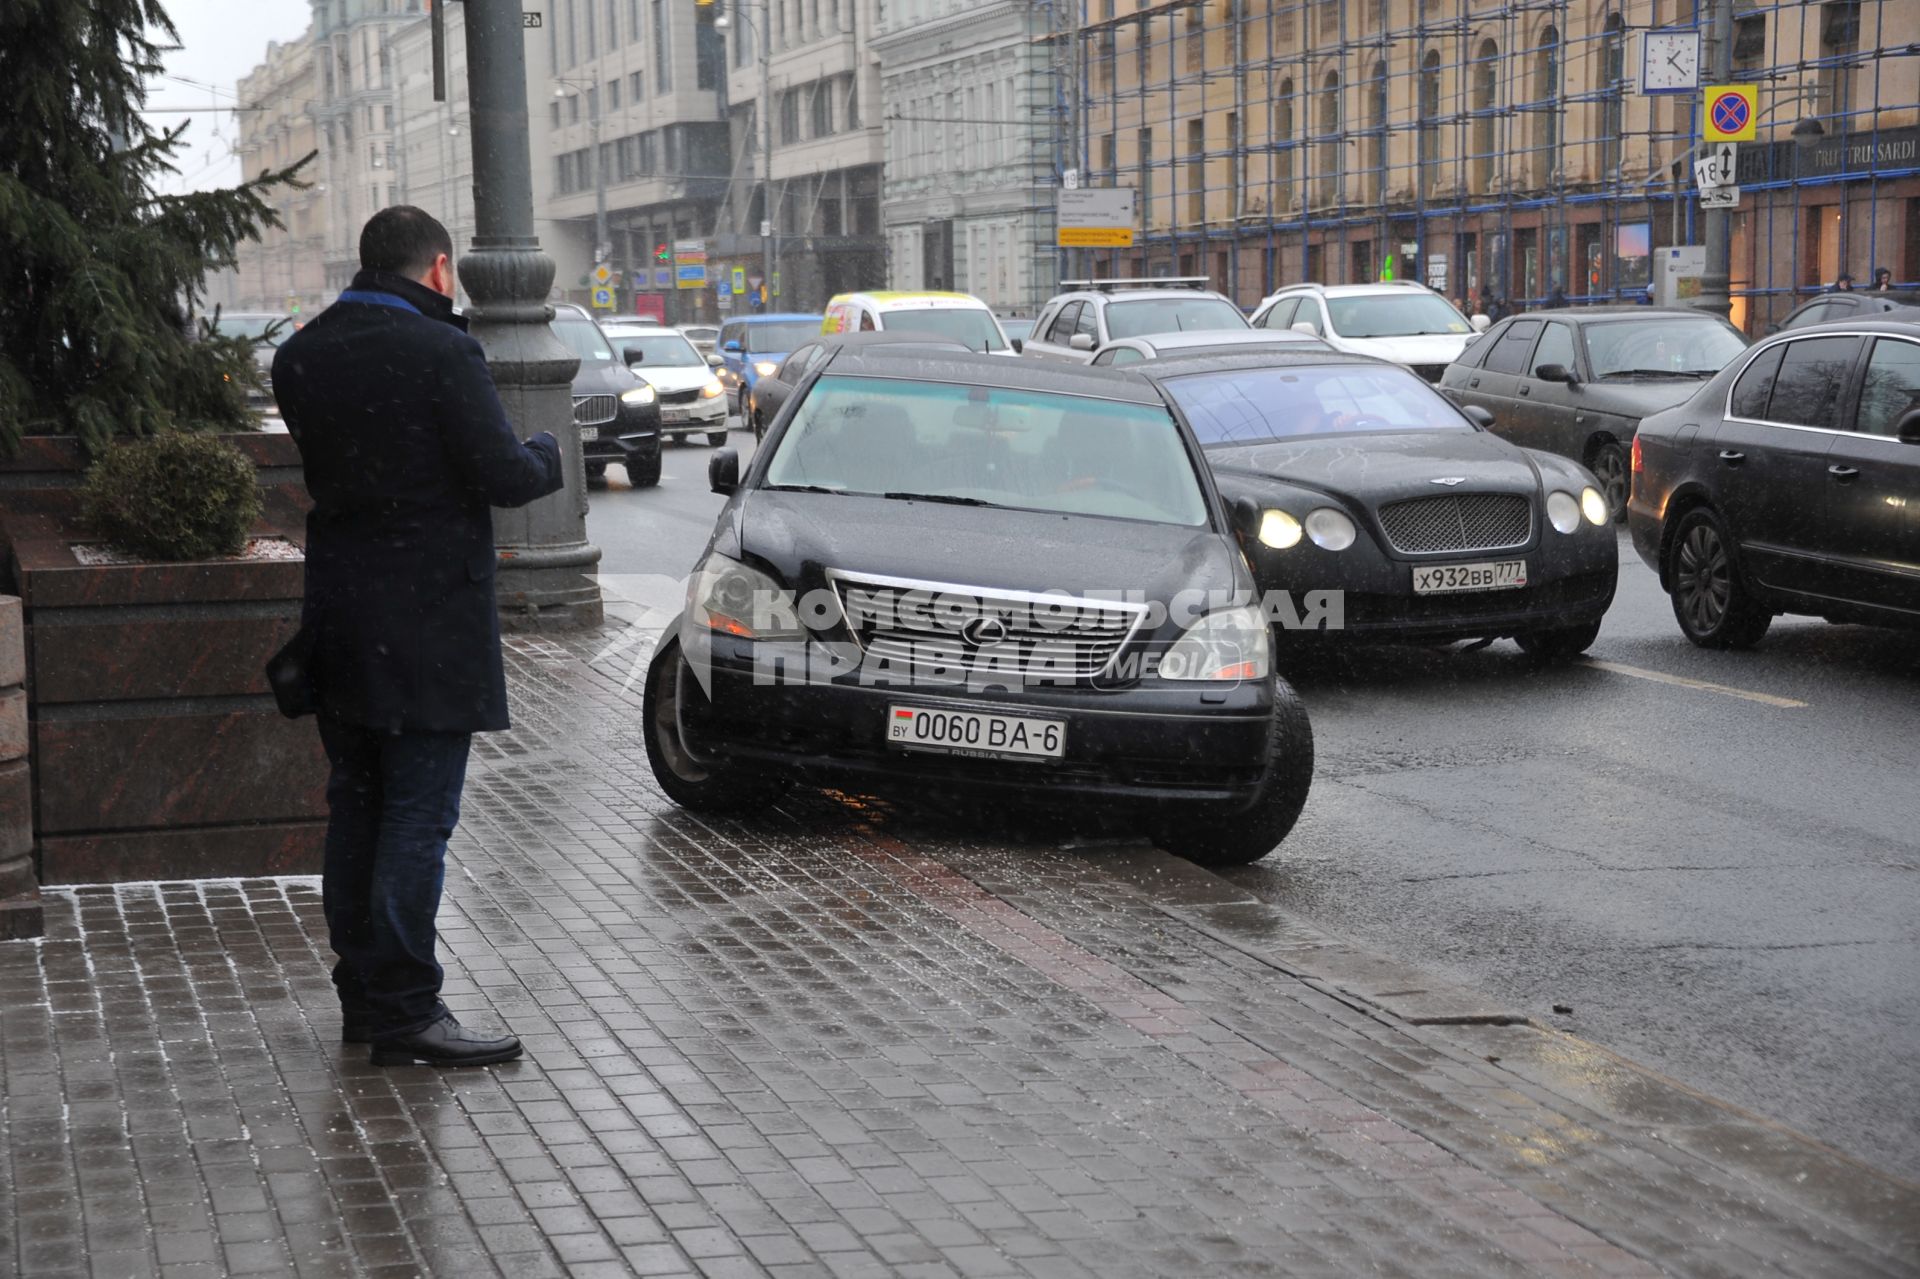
{"x": 1670, "y": 61}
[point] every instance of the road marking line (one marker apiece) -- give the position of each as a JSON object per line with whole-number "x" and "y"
{"x": 1681, "y": 681}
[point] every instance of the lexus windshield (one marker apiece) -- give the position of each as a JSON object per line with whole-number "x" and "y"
{"x": 989, "y": 446}
{"x": 1662, "y": 345}
{"x": 1382, "y": 315}
{"x": 1171, "y": 315}
{"x": 1249, "y": 406}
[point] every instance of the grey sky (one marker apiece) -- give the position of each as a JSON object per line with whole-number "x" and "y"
{"x": 221, "y": 40}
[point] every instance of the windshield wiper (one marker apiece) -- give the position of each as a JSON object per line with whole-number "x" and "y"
{"x": 952, "y": 499}
{"x": 1653, "y": 373}
{"x": 799, "y": 488}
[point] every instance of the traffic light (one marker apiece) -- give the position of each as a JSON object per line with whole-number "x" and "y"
{"x": 661, "y": 253}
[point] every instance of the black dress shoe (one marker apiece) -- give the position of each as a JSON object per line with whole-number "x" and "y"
{"x": 445, "y": 1043}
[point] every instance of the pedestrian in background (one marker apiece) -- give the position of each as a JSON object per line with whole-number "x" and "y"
{"x": 1882, "y": 280}
{"x": 407, "y": 450}
{"x": 1557, "y": 298}
{"x": 1843, "y": 283}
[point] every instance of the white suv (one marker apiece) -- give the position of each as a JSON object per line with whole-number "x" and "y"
{"x": 1396, "y": 320}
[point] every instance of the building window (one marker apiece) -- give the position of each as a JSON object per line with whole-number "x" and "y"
{"x": 1839, "y": 39}
{"x": 1486, "y": 87}
{"x": 1144, "y": 182}
{"x": 1546, "y": 92}
{"x": 1285, "y": 145}
{"x": 1613, "y": 106}
{"x": 613, "y": 95}
{"x": 1196, "y": 172}
{"x": 635, "y": 26}
{"x": 1429, "y": 122}
{"x": 1196, "y": 38}
{"x": 853, "y": 101}
{"x": 708, "y": 55}
{"x": 1234, "y": 144}
{"x": 789, "y": 117}
{"x": 821, "y": 111}
{"x": 1142, "y": 51}
{"x": 593, "y": 98}
{"x": 1330, "y": 130}
{"x": 573, "y": 109}
{"x": 1109, "y": 159}
{"x": 593, "y": 34}
{"x": 636, "y": 86}
{"x": 662, "y": 49}
{"x": 1377, "y": 132}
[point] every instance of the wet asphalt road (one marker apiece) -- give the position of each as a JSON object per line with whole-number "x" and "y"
{"x": 1719, "y": 884}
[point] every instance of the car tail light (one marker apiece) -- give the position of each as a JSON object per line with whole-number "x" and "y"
{"x": 1637, "y": 463}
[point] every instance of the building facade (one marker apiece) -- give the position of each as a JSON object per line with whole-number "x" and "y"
{"x": 971, "y": 149}
{"x": 1497, "y": 147}
{"x": 281, "y": 271}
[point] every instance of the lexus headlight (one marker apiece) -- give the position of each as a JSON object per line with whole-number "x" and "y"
{"x": 1562, "y": 511}
{"x": 712, "y": 390}
{"x": 1593, "y": 506}
{"x": 737, "y": 599}
{"x": 638, "y": 395}
{"x": 1278, "y": 529}
{"x": 765, "y": 368}
{"x": 1330, "y": 530}
{"x": 1231, "y": 644}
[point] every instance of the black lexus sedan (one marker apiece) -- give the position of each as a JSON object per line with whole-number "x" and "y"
{"x": 1378, "y": 493}
{"x": 1790, "y": 483}
{"x": 1577, "y": 381}
{"x": 957, "y": 573}
{"x": 617, "y": 412}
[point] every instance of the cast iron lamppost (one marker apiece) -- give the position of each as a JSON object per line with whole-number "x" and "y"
{"x": 769, "y": 225}
{"x": 601, "y": 249}
{"x": 547, "y": 566}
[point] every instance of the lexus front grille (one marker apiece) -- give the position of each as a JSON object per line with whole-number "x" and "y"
{"x": 595, "y": 410}
{"x": 1458, "y": 522}
{"x": 924, "y": 626}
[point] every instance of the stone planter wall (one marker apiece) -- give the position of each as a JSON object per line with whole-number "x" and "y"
{"x": 157, "y": 750}
{"x": 20, "y": 913}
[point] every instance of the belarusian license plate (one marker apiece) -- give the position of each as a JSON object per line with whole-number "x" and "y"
{"x": 975, "y": 733}
{"x": 1444, "y": 579}
{"x": 589, "y": 432}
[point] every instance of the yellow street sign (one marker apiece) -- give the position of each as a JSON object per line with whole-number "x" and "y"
{"x": 1731, "y": 112}
{"x": 603, "y": 274}
{"x": 1096, "y": 237}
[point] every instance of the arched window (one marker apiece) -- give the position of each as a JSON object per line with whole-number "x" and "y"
{"x": 1613, "y": 106}
{"x": 1546, "y": 105}
{"x": 1285, "y": 134}
{"x": 1328, "y": 126}
{"x": 1429, "y": 121}
{"x": 1486, "y": 87}
{"x": 1377, "y": 133}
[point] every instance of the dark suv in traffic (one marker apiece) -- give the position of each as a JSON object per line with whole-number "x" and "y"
{"x": 1790, "y": 483}
{"x": 617, "y": 412}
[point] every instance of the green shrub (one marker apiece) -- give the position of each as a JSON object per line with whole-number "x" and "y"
{"x": 173, "y": 497}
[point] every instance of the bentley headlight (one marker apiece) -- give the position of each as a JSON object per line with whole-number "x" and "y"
{"x": 1593, "y": 506}
{"x": 1231, "y": 644}
{"x": 765, "y": 368}
{"x": 1331, "y": 530}
{"x": 737, "y": 599}
{"x": 638, "y": 395}
{"x": 1562, "y": 511}
{"x": 712, "y": 390}
{"x": 1278, "y": 529}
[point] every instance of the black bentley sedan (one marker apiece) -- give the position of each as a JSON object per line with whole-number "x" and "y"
{"x": 1790, "y": 483}
{"x": 1577, "y": 381}
{"x": 1372, "y": 486}
{"x": 967, "y": 574}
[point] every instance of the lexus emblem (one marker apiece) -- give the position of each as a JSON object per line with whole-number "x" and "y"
{"x": 1449, "y": 480}
{"x": 983, "y": 632}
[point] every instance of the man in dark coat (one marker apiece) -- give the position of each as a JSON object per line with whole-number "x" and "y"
{"x": 407, "y": 449}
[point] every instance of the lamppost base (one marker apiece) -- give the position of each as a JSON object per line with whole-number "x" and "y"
{"x": 549, "y": 588}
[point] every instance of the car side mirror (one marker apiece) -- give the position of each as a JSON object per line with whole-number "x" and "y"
{"x": 633, "y": 355}
{"x": 733, "y": 344}
{"x": 1479, "y": 415}
{"x": 723, "y": 472}
{"x": 1480, "y": 321}
{"x": 1908, "y": 430}
{"x": 1018, "y": 345}
{"x": 1081, "y": 341}
{"x": 1304, "y": 326}
{"x": 1556, "y": 373}
{"x": 715, "y": 362}
{"x": 1246, "y": 518}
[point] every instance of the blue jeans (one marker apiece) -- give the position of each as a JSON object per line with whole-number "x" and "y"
{"x": 393, "y": 800}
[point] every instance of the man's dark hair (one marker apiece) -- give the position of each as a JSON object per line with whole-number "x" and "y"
{"x": 403, "y": 240}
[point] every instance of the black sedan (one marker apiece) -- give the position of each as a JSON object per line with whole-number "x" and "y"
{"x": 961, "y": 573}
{"x": 1577, "y": 382}
{"x": 1848, "y": 304}
{"x": 1389, "y": 513}
{"x": 771, "y": 392}
{"x": 1790, "y": 483}
{"x": 617, "y": 413}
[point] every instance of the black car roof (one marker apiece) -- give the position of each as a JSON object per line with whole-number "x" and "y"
{"x": 1878, "y": 322}
{"x": 1578, "y": 313}
{"x": 1011, "y": 372}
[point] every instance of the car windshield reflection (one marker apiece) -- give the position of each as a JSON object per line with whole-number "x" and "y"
{"x": 1246, "y": 406}
{"x": 989, "y": 446}
{"x": 1676, "y": 347}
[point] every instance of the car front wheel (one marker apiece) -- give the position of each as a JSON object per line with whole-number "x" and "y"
{"x": 1711, "y": 600}
{"x": 1612, "y": 466}
{"x": 1247, "y": 836}
{"x": 643, "y": 472}
{"x": 1560, "y": 645}
{"x": 704, "y": 787}
{"x": 716, "y": 439}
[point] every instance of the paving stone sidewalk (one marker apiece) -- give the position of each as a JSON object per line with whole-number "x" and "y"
{"x": 832, "y": 1042}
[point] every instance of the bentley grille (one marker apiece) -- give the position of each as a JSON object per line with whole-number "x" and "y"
{"x": 1458, "y": 522}
{"x": 924, "y": 626}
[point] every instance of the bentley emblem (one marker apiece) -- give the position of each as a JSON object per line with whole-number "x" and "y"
{"x": 1449, "y": 480}
{"x": 983, "y": 632}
